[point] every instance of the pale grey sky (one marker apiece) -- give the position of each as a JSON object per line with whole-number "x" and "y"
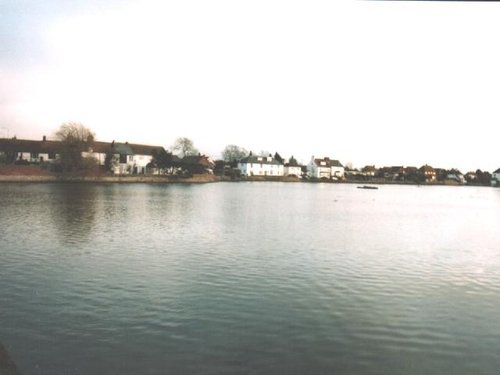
{"x": 385, "y": 83}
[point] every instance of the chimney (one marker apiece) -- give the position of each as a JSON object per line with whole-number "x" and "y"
{"x": 44, "y": 138}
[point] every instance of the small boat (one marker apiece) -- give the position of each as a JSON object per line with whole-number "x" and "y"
{"x": 368, "y": 187}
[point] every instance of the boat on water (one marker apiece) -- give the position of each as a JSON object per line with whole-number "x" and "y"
{"x": 368, "y": 187}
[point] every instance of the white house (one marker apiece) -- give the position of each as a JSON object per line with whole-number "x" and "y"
{"x": 292, "y": 168}
{"x": 260, "y": 166}
{"x": 325, "y": 168}
{"x": 131, "y": 158}
{"x": 97, "y": 151}
{"x": 495, "y": 178}
{"x": 319, "y": 168}
{"x": 128, "y": 158}
{"x": 337, "y": 169}
{"x": 142, "y": 156}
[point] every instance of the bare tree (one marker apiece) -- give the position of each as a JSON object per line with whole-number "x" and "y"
{"x": 75, "y": 139}
{"x": 184, "y": 146}
{"x": 75, "y": 132}
{"x": 233, "y": 153}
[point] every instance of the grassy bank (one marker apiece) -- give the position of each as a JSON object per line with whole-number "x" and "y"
{"x": 35, "y": 174}
{"x": 110, "y": 179}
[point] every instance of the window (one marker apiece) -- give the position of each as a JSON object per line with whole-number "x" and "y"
{"x": 52, "y": 155}
{"x": 123, "y": 158}
{"x": 34, "y": 155}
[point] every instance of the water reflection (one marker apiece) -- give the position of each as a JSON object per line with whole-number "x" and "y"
{"x": 263, "y": 277}
{"x": 73, "y": 212}
{"x": 7, "y": 366}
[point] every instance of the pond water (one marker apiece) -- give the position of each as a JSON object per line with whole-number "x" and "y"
{"x": 250, "y": 278}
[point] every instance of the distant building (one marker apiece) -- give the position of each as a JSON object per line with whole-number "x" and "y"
{"x": 292, "y": 168}
{"x": 428, "y": 173}
{"x": 337, "y": 169}
{"x": 495, "y": 178}
{"x": 141, "y": 156}
{"x": 124, "y": 158}
{"x": 128, "y": 158}
{"x": 198, "y": 164}
{"x": 441, "y": 174}
{"x": 29, "y": 151}
{"x": 396, "y": 173}
{"x": 369, "y": 171}
{"x": 393, "y": 173}
{"x": 260, "y": 166}
{"x": 411, "y": 174}
{"x": 325, "y": 168}
{"x": 455, "y": 176}
{"x": 411, "y": 171}
{"x": 471, "y": 176}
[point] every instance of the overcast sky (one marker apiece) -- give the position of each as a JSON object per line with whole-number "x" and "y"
{"x": 385, "y": 83}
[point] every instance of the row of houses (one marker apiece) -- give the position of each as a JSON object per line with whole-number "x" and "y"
{"x": 131, "y": 158}
{"x": 425, "y": 173}
{"x": 324, "y": 168}
{"x": 126, "y": 158}
{"x": 399, "y": 173}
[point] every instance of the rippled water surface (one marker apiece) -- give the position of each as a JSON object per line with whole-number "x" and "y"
{"x": 250, "y": 278}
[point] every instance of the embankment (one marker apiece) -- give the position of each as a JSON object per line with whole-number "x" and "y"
{"x": 41, "y": 176}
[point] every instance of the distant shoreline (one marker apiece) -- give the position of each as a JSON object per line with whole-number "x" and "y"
{"x": 197, "y": 179}
{"x": 109, "y": 179}
{"x": 28, "y": 174}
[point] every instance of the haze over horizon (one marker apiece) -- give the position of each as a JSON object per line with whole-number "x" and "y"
{"x": 384, "y": 83}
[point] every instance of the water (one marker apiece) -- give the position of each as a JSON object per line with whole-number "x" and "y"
{"x": 250, "y": 278}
